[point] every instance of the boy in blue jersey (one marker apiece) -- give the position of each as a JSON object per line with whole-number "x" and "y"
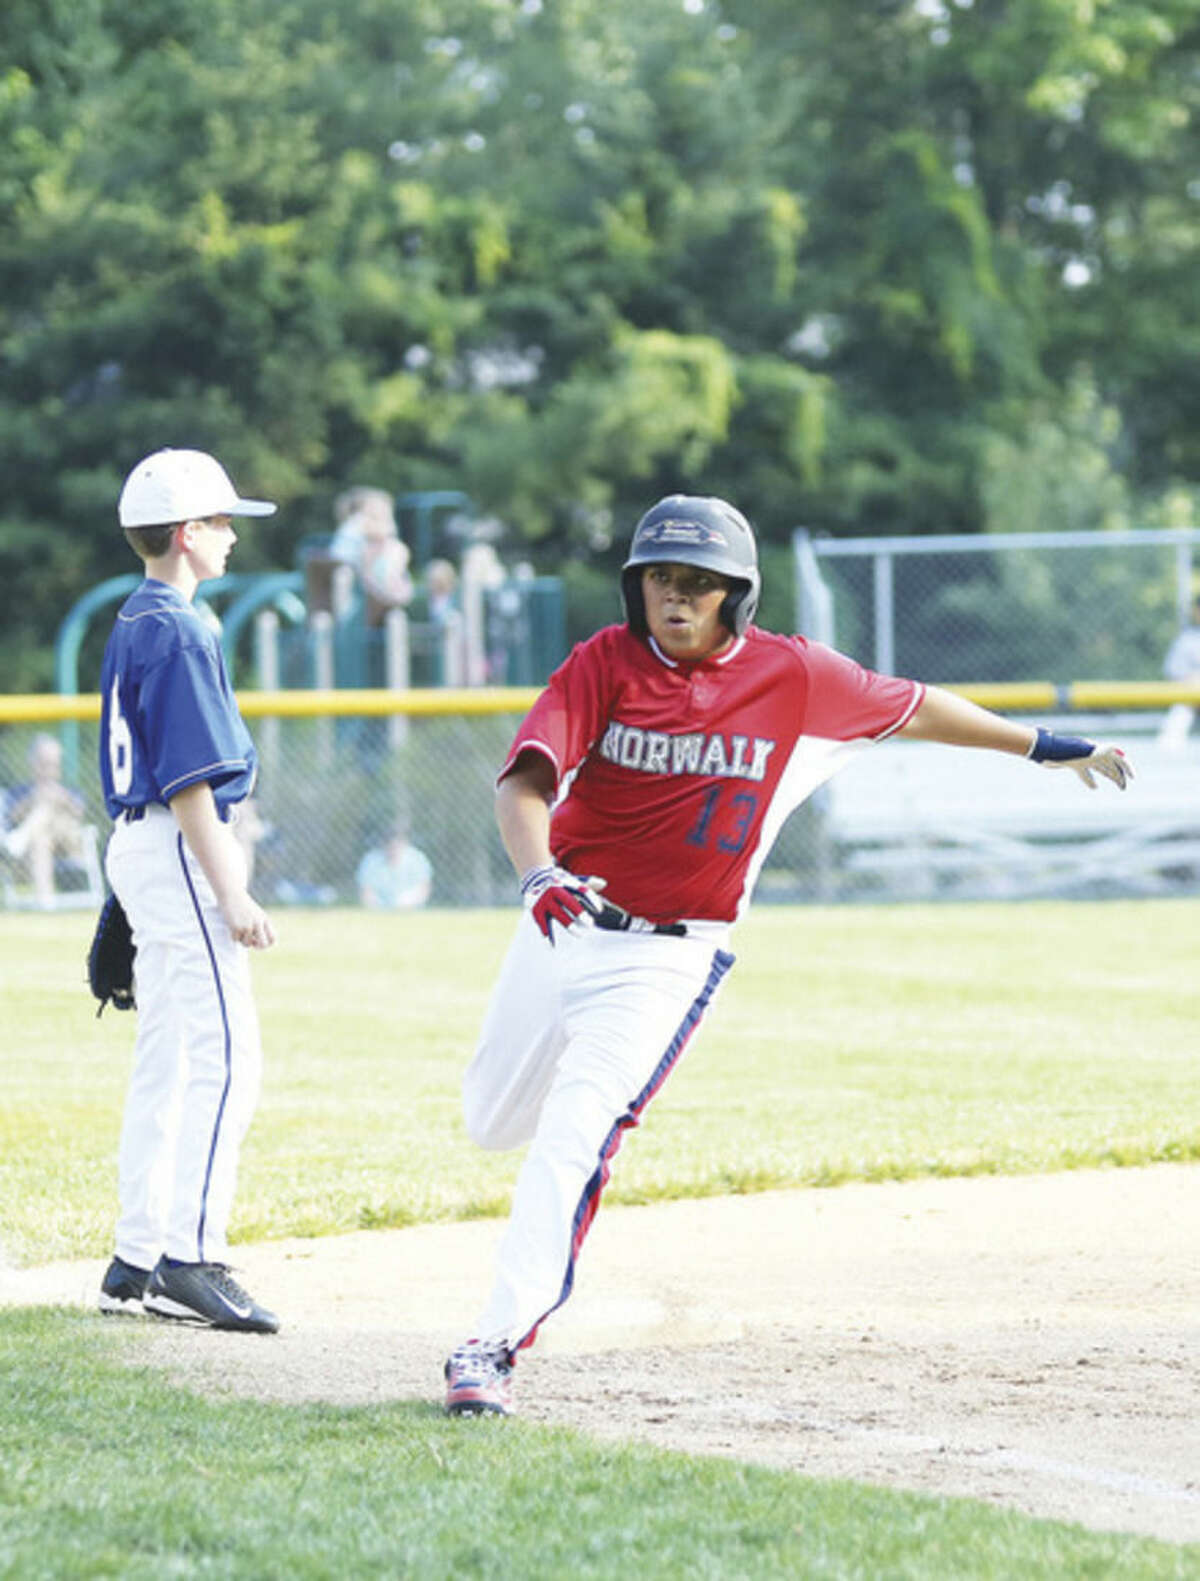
{"x": 176, "y": 763}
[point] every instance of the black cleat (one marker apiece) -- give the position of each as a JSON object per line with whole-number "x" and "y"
{"x": 205, "y": 1293}
{"x": 123, "y": 1287}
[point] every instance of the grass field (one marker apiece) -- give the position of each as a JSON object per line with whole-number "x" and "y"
{"x": 849, "y": 1044}
{"x": 107, "y": 1471}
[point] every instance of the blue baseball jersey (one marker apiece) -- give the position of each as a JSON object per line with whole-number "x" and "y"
{"x": 168, "y": 716}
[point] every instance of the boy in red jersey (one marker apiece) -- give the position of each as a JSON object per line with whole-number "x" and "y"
{"x": 639, "y": 800}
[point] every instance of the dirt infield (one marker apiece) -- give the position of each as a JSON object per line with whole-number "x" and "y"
{"x": 1032, "y": 1342}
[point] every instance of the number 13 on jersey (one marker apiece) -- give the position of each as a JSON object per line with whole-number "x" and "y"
{"x": 730, "y": 832}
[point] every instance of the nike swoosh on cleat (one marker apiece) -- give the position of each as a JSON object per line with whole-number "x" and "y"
{"x": 232, "y": 1306}
{"x": 167, "y": 1307}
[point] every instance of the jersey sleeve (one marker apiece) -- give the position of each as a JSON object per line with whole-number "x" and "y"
{"x": 191, "y": 731}
{"x": 568, "y": 715}
{"x": 847, "y": 702}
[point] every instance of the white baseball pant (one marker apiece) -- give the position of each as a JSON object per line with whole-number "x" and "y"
{"x": 197, "y": 1060}
{"x": 576, "y": 1041}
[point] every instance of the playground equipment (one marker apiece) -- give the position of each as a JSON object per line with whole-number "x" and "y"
{"x": 312, "y": 628}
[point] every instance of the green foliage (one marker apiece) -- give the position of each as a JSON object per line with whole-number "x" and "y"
{"x": 1002, "y": 617}
{"x": 825, "y": 259}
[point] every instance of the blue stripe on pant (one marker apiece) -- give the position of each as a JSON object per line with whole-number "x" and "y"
{"x": 224, "y": 1013}
{"x": 589, "y": 1202}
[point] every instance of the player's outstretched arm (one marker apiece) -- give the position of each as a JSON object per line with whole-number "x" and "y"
{"x": 213, "y": 846}
{"x": 956, "y": 721}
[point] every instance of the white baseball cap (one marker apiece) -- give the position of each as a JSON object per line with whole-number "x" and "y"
{"x": 181, "y": 486}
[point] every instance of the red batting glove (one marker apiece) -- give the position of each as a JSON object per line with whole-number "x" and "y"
{"x": 555, "y": 896}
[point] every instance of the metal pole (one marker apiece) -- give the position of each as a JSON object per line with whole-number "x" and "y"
{"x": 885, "y": 615}
{"x": 813, "y": 599}
{"x": 398, "y": 669}
{"x": 1183, "y": 583}
{"x": 322, "y": 638}
{"x": 266, "y": 658}
{"x": 450, "y": 645}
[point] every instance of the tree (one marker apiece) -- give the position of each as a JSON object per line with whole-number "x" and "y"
{"x": 820, "y": 258}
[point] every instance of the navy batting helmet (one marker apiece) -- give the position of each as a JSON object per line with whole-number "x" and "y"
{"x": 695, "y": 530}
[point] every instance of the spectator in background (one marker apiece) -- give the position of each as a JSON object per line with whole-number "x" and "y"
{"x": 44, "y": 819}
{"x": 395, "y": 876}
{"x": 441, "y": 590}
{"x": 446, "y": 619}
{"x": 367, "y": 538}
{"x": 1182, "y": 663}
{"x": 483, "y": 575}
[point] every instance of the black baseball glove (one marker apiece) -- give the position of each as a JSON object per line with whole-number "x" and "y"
{"x": 110, "y": 958}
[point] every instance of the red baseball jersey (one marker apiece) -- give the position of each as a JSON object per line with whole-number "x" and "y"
{"x": 675, "y": 778}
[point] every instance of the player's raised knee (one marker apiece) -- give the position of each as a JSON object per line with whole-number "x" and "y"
{"x": 487, "y": 1125}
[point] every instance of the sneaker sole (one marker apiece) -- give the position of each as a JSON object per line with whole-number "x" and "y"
{"x": 164, "y": 1307}
{"x": 121, "y": 1306}
{"x": 176, "y": 1312}
{"x": 474, "y": 1405}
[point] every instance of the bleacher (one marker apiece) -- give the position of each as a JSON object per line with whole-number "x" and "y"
{"x": 912, "y": 820}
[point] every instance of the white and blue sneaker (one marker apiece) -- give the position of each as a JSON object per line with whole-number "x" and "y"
{"x": 204, "y": 1293}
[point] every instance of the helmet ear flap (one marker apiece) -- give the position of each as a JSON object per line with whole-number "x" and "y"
{"x": 634, "y": 600}
{"x": 731, "y": 610}
{"x": 738, "y": 609}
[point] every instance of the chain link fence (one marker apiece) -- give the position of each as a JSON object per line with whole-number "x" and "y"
{"x": 1058, "y": 607}
{"x": 330, "y": 790}
{"x": 1063, "y": 609}
{"x": 902, "y": 821}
